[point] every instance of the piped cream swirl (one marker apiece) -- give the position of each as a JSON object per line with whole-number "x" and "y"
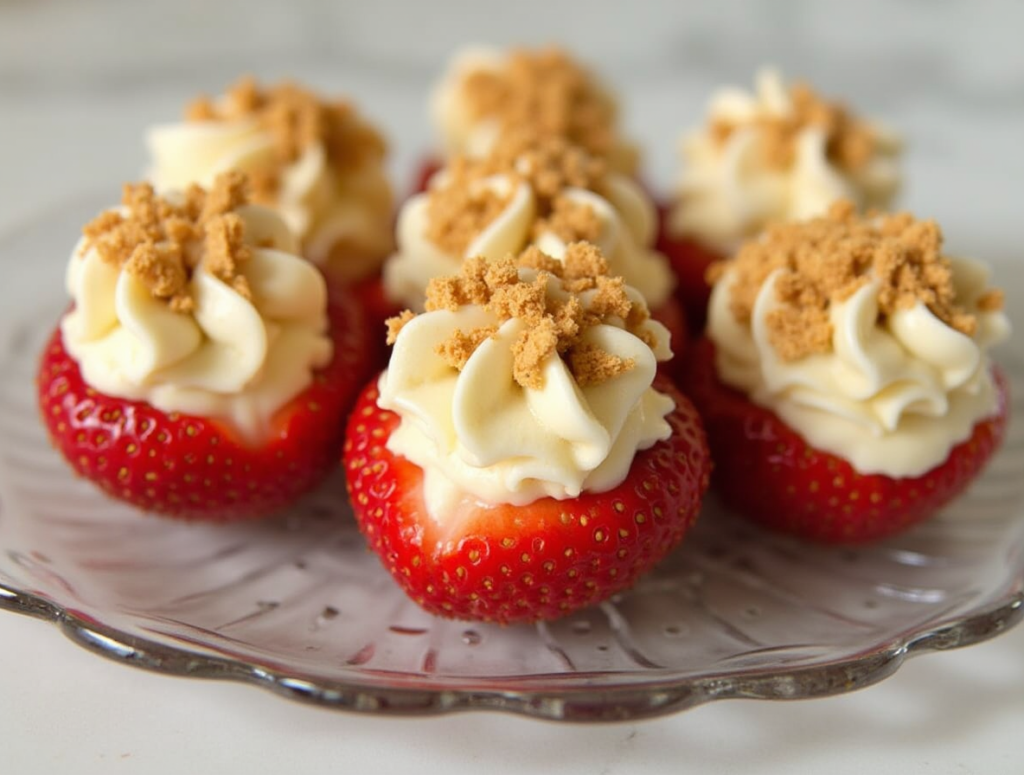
{"x": 891, "y": 397}
{"x": 626, "y": 233}
{"x": 730, "y": 190}
{"x": 341, "y": 212}
{"x": 233, "y": 358}
{"x": 477, "y": 431}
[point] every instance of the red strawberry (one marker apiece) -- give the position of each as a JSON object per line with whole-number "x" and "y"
{"x": 519, "y": 564}
{"x": 690, "y": 262}
{"x": 428, "y": 167}
{"x": 197, "y": 468}
{"x": 767, "y": 472}
{"x": 377, "y": 308}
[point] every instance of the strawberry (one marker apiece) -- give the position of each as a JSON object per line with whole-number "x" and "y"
{"x": 377, "y": 308}
{"x": 198, "y": 468}
{"x": 767, "y": 472}
{"x": 541, "y": 561}
{"x": 690, "y": 262}
{"x": 426, "y": 170}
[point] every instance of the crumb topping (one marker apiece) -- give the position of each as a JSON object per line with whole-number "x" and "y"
{"x": 549, "y": 92}
{"x": 465, "y": 205}
{"x": 850, "y": 142}
{"x": 296, "y": 119}
{"x": 827, "y": 259}
{"x": 556, "y": 323}
{"x": 161, "y": 241}
{"x": 570, "y": 221}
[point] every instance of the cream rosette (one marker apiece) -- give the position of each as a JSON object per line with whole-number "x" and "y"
{"x": 729, "y": 190}
{"x": 466, "y": 131}
{"x": 893, "y": 396}
{"x": 477, "y": 431}
{"x": 330, "y": 210}
{"x": 627, "y": 219}
{"x": 234, "y": 358}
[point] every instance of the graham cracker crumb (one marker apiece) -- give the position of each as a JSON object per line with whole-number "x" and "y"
{"x": 611, "y": 298}
{"x": 991, "y": 300}
{"x": 555, "y": 322}
{"x": 458, "y": 213}
{"x": 592, "y": 365}
{"x": 550, "y": 93}
{"x": 459, "y": 346}
{"x": 850, "y": 143}
{"x": 531, "y": 350}
{"x": 397, "y": 323}
{"x": 570, "y": 221}
{"x": 161, "y": 242}
{"x": 297, "y": 119}
{"x": 226, "y": 249}
{"x": 467, "y": 204}
{"x": 826, "y": 260}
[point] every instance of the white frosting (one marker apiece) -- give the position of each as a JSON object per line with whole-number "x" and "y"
{"x": 460, "y": 131}
{"x": 479, "y": 432}
{"x": 324, "y": 207}
{"x": 232, "y": 358}
{"x": 729, "y": 191}
{"x": 628, "y": 225}
{"x": 892, "y": 397}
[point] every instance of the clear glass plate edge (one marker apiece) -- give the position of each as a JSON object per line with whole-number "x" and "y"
{"x": 597, "y": 703}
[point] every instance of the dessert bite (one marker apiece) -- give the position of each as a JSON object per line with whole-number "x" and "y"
{"x": 486, "y": 93}
{"x": 530, "y": 190}
{"x": 316, "y": 161}
{"x": 519, "y": 459}
{"x": 845, "y": 381}
{"x": 202, "y": 371}
{"x": 779, "y": 154}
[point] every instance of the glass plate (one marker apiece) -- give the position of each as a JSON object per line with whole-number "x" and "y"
{"x": 298, "y": 605}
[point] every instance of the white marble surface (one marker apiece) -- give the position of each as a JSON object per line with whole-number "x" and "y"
{"x": 80, "y": 80}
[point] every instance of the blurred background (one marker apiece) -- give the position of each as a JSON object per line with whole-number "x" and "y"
{"x": 80, "y": 80}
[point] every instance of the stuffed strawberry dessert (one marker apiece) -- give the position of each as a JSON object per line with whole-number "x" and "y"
{"x": 317, "y": 162}
{"x": 518, "y": 459}
{"x": 202, "y": 371}
{"x": 780, "y": 154}
{"x": 486, "y": 93}
{"x": 845, "y": 382}
{"x": 531, "y": 191}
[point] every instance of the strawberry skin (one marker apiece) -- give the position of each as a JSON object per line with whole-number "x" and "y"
{"x": 541, "y": 561}
{"x": 690, "y": 262}
{"x": 767, "y": 472}
{"x": 197, "y": 468}
{"x": 377, "y": 308}
{"x": 428, "y": 167}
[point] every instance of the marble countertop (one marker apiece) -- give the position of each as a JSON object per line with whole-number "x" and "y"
{"x": 80, "y": 81}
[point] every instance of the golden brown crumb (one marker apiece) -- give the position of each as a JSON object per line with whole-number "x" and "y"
{"x": 459, "y": 346}
{"x": 591, "y": 365}
{"x": 296, "y": 119}
{"x": 530, "y": 351}
{"x": 570, "y": 221}
{"x": 826, "y": 260}
{"x": 849, "y": 142}
{"x": 991, "y": 300}
{"x": 397, "y": 323}
{"x": 459, "y": 212}
{"x": 554, "y": 96}
{"x": 161, "y": 242}
{"x": 556, "y": 322}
